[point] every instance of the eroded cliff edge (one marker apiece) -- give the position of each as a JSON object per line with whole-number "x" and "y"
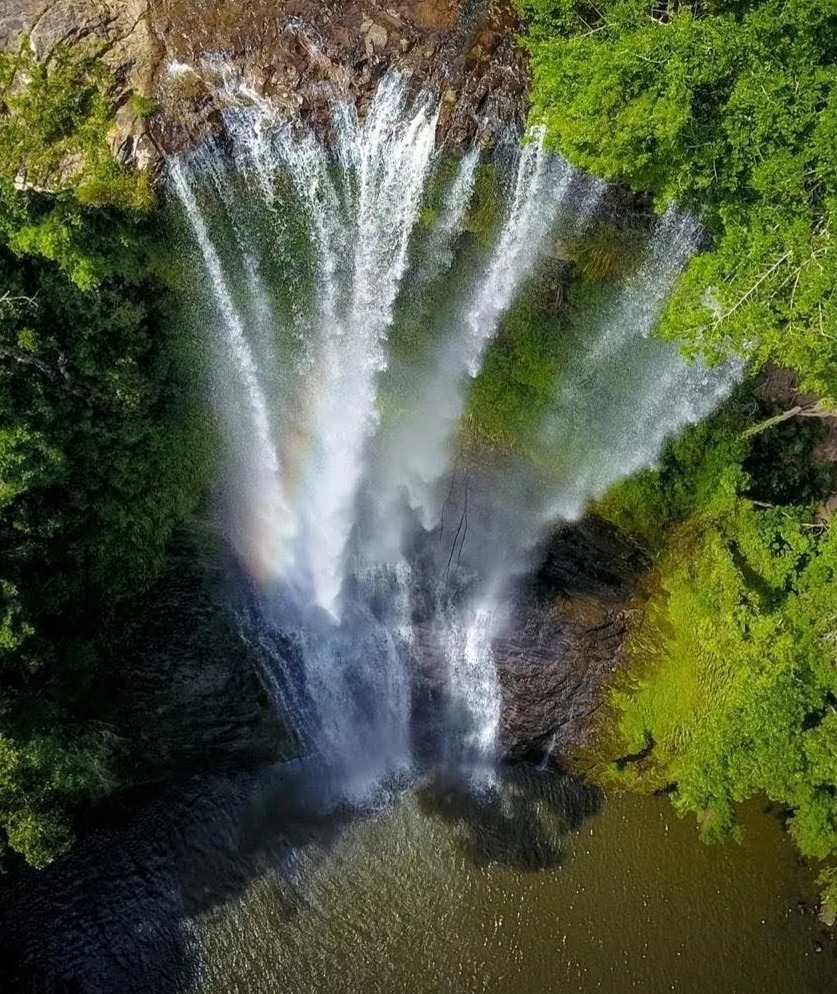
{"x": 296, "y": 52}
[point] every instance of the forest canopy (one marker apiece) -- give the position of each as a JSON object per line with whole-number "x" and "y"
{"x": 729, "y": 108}
{"x": 731, "y": 691}
{"x": 102, "y": 450}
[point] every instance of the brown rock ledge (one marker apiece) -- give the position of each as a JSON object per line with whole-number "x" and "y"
{"x": 294, "y": 51}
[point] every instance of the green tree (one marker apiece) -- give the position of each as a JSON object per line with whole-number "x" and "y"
{"x": 103, "y": 447}
{"x": 728, "y": 108}
{"x": 731, "y": 690}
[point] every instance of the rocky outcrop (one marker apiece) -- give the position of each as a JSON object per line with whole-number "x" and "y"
{"x": 117, "y": 31}
{"x": 563, "y": 640}
{"x": 297, "y": 52}
{"x": 566, "y": 639}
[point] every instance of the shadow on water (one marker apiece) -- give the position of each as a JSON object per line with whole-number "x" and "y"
{"x": 117, "y": 913}
{"x": 114, "y": 915}
{"x": 518, "y": 820}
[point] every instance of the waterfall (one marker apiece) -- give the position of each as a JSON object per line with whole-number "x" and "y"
{"x": 353, "y": 294}
{"x": 263, "y": 477}
{"x": 451, "y": 218}
{"x": 361, "y": 216}
{"x": 645, "y": 393}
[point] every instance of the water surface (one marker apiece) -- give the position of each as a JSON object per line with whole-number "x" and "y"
{"x": 440, "y": 893}
{"x": 246, "y": 883}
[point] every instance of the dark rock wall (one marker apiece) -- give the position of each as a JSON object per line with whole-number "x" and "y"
{"x": 566, "y": 639}
{"x": 184, "y": 686}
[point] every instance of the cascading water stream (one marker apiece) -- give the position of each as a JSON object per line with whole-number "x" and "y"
{"x": 361, "y": 216}
{"x": 344, "y": 492}
{"x": 451, "y": 218}
{"x": 262, "y": 464}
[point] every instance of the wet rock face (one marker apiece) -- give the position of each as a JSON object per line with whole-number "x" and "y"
{"x": 563, "y": 640}
{"x": 592, "y": 559}
{"x": 184, "y": 689}
{"x": 552, "y": 666}
{"x": 566, "y": 639}
{"x": 298, "y": 52}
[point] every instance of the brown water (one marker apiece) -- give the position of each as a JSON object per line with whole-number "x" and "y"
{"x": 432, "y": 895}
{"x": 248, "y": 883}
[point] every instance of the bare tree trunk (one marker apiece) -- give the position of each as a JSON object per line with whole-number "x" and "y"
{"x": 817, "y": 410}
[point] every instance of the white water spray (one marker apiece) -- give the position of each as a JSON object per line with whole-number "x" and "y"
{"x": 364, "y": 536}
{"x": 264, "y": 487}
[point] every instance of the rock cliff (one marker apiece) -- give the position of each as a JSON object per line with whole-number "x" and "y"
{"x": 295, "y": 51}
{"x": 568, "y": 629}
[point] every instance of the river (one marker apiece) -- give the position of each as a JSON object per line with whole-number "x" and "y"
{"x": 437, "y": 896}
{"x": 231, "y": 885}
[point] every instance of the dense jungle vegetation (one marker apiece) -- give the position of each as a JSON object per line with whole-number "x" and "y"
{"x": 728, "y": 107}
{"x": 102, "y": 451}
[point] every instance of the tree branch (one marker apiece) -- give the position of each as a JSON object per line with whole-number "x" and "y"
{"x": 817, "y": 410}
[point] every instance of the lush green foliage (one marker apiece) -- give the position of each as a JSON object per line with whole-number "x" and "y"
{"x": 728, "y": 107}
{"x": 733, "y": 687}
{"x": 698, "y": 475}
{"x": 101, "y": 451}
{"x": 55, "y": 121}
{"x": 517, "y": 382}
